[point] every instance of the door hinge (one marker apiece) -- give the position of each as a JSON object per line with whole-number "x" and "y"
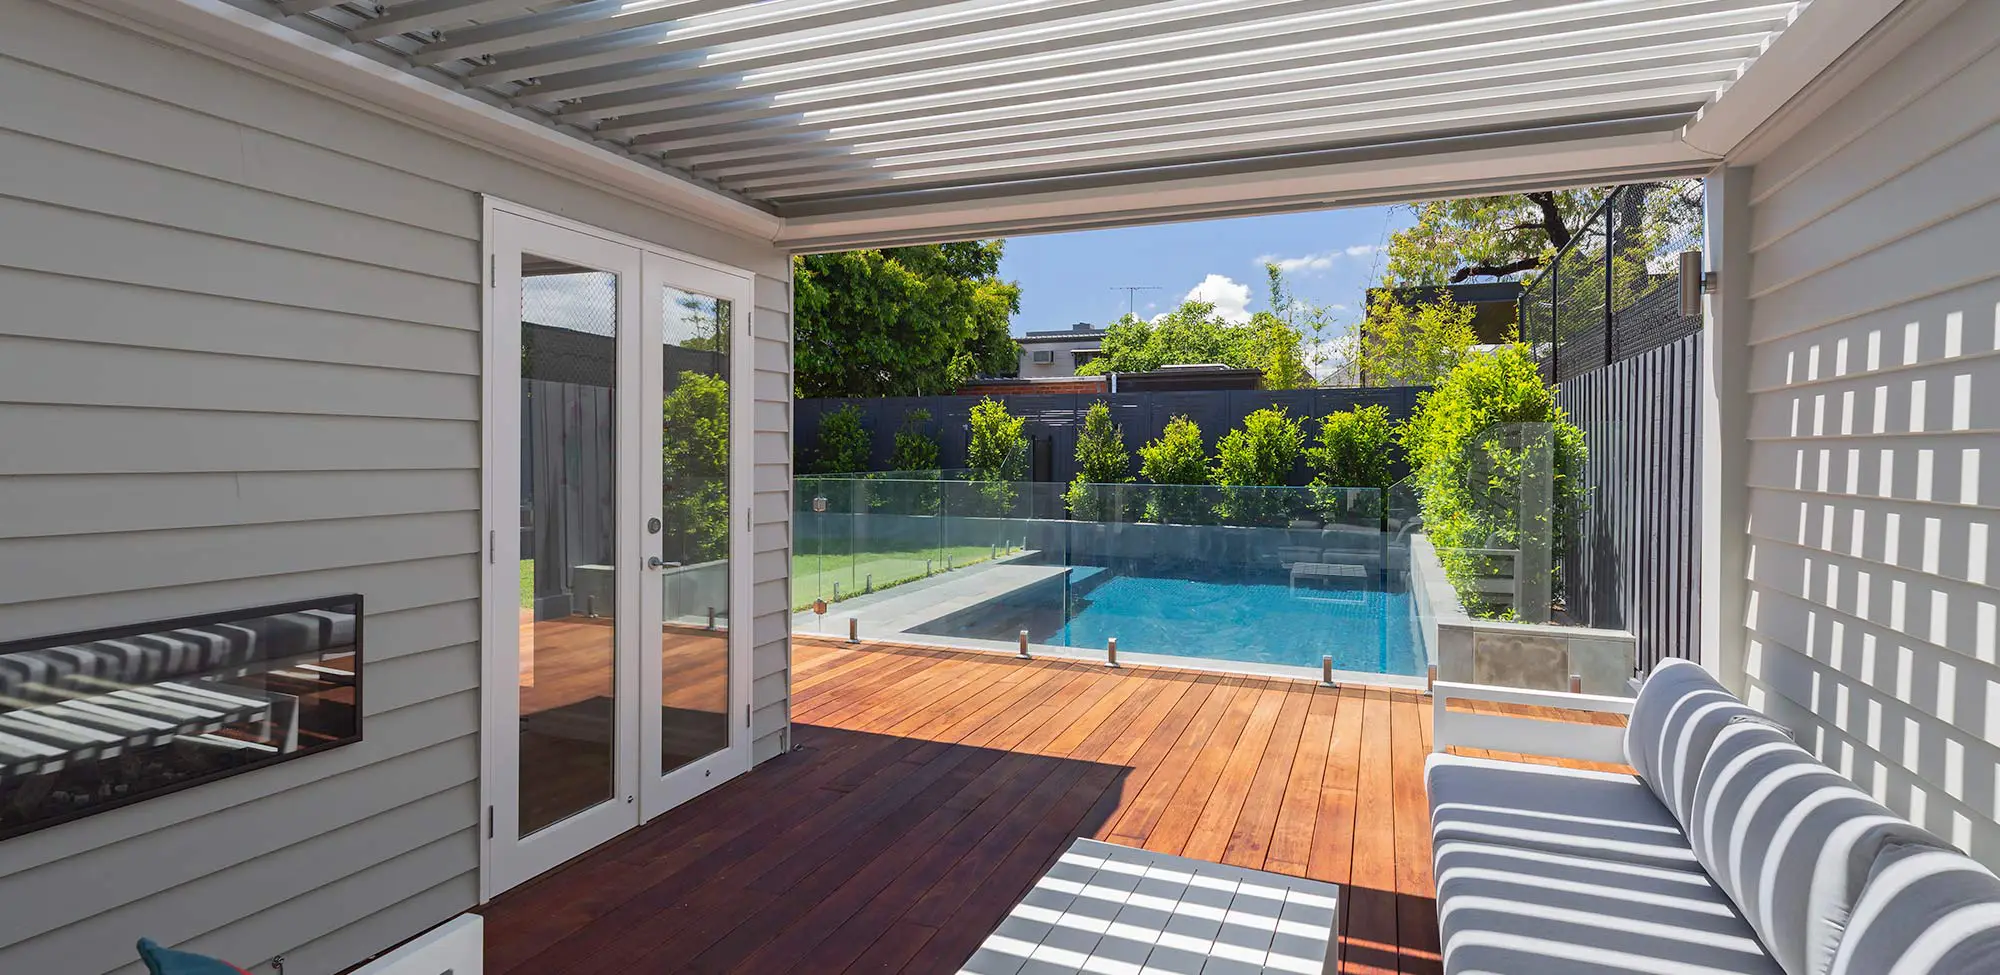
{"x": 492, "y": 546}
{"x": 746, "y": 715}
{"x": 492, "y": 270}
{"x": 749, "y": 522}
{"x": 489, "y": 822}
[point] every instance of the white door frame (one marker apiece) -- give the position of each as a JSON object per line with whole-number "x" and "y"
{"x": 655, "y": 266}
{"x": 658, "y": 794}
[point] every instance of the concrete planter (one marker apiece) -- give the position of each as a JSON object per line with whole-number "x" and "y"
{"x": 1504, "y": 654}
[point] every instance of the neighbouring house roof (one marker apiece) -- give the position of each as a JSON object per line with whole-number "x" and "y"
{"x": 1079, "y": 333}
{"x": 834, "y": 123}
{"x": 1039, "y": 384}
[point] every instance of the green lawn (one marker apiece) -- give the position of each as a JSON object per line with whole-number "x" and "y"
{"x": 527, "y": 583}
{"x": 814, "y": 576}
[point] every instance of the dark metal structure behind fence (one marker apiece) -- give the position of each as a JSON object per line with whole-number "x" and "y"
{"x": 1053, "y": 419}
{"x": 1614, "y": 291}
{"x": 1604, "y": 321}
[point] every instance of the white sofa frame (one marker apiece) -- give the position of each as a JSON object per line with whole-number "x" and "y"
{"x": 1524, "y": 734}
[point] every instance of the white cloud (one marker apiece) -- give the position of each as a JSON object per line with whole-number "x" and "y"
{"x": 1304, "y": 262}
{"x": 1314, "y": 263}
{"x": 1231, "y": 300}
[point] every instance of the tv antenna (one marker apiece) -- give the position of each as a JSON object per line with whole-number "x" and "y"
{"x": 1132, "y": 293}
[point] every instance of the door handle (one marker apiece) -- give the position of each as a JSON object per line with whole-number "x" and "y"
{"x": 659, "y": 563}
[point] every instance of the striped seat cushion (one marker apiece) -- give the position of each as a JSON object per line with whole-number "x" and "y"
{"x": 1924, "y": 911}
{"x": 35, "y": 675}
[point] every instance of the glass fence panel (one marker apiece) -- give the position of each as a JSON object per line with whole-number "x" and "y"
{"x": 1263, "y": 577}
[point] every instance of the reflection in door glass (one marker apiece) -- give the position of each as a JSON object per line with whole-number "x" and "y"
{"x": 569, "y": 359}
{"x": 694, "y": 635}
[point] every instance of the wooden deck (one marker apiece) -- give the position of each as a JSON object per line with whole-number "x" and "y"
{"x": 929, "y": 788}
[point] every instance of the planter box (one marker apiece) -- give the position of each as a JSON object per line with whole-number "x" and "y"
{"x": 1496, "y": 652}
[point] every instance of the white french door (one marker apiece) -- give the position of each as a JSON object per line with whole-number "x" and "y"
{"x": 617, "y": 428}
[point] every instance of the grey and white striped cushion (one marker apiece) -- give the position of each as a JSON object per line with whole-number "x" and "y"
{"x": 153, "y": 657}
{"x": 1790, "y": 841}
{"x": 1679, "y": 711}
{"x": 1924, "y": 911}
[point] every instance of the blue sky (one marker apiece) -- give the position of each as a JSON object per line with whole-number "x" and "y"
{"x": 1068, "y": 278}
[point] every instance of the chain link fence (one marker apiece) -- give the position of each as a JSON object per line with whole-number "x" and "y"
{"x": 1614, "y": 290}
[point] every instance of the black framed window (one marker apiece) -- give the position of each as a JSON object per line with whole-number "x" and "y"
{"x": 96, "y": 720}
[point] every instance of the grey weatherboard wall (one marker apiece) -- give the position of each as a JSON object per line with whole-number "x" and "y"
{"x": 240, "y": 356}
{"x": 1874, "y": 398}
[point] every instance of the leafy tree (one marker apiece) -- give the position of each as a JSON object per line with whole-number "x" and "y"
{"x": 1471, "y": 442}
{"x": 1289, "y": 367}
{"x": 1193, "y": 334}
{"x": 1258, "y": 455}
{"x": 1178, "y": 462}
{"x": 906, "y": 321}
{"x": 996, "y": 452}
{"x": 1101, "y": 459}
{"x": 1356, "y": 449}
{"x": 694, "y": 448}
{"x": 1414, "y": 345}
{"x": 843, "y": 443}
{"x": 1487, "y": 236}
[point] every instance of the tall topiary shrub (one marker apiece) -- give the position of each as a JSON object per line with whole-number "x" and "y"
{"x": 1253, "y": 458}
{"x": 1178, "y": 463}
{"x": 1356, "y": 449}
{"x": 843, "y": 442}
{"x": 996, "y": 452}
{"x": 915, "y": 459}
{"x": 1473, "y": 443}
{"x": 916, "y": 449}
{"x": 1100, "y": 459}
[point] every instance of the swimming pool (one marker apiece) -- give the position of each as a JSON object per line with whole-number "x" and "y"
{"x": 1243, "y": 616}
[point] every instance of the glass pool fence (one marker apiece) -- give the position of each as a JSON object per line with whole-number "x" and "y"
{"x": 1273, "y": 579}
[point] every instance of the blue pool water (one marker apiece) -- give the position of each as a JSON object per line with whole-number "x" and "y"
{"x": 1238, "y": 618}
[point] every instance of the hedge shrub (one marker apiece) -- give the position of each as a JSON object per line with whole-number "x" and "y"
{"x": 1469, "y": 443}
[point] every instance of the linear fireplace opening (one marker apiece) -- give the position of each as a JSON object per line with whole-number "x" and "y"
{"x": 96, "y": 720}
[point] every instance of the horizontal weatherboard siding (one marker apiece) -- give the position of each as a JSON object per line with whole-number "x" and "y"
{"x": 1873, "y": 481}
{"x": 240, "y": 360}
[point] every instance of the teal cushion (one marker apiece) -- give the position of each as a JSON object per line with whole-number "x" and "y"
{"x": 167, "y": 961}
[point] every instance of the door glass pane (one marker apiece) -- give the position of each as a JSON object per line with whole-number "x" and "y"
{"x": 569, "y": 359}
{"x": 694, "y": 635}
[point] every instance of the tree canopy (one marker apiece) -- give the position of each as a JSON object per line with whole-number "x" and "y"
{"x": 1403, "y": 344}
{"x": 905, "y": 321}
{"x": 1194, "y": 334}
{"x": 1496, "y": 237}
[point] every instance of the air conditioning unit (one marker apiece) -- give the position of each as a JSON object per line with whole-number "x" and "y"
{"x": 456, "y": 947}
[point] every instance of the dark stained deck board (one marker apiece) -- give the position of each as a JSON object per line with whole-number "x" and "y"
{"x": 930, "y": 788}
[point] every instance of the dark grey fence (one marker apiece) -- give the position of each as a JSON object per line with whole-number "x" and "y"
{"x": 1604, "y": 321}
{"x": 1053, "y": 420}
{"x": 567, "y": 490}
{"x": 1636, "y": 562}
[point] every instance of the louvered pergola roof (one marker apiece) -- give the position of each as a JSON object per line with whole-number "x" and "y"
{"x": 832, "y": 114}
